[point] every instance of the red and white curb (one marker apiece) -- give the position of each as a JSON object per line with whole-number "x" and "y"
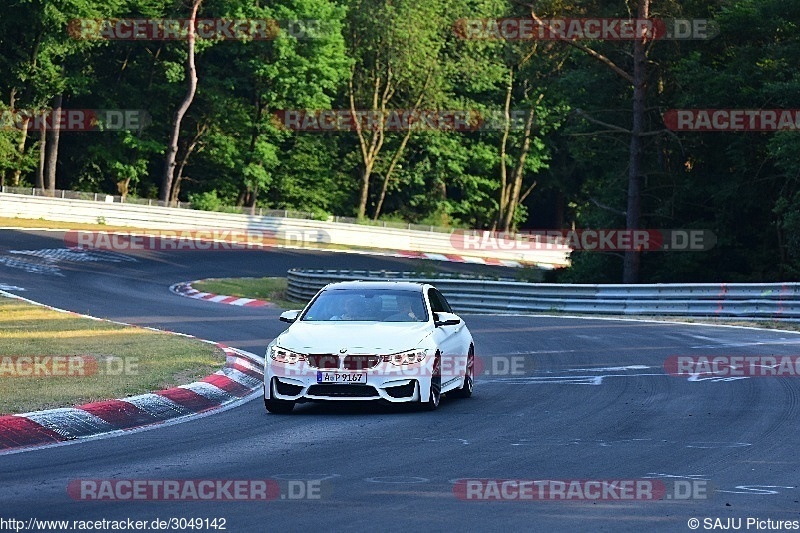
{"x": 240, "y": 378}
{"x": 453, "y": 258}
{"x": 185, "y": 289}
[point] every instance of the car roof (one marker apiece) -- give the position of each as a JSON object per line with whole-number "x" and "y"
{"x": 377, "y": 285}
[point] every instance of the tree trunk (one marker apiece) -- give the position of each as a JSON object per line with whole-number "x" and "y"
{"x": 26, "y": 120}
{"x": 362, "y": 201}
{"x": 399, "y": 151}
{"x": 176, "y": 188}
{"x": 253, "y": 198}
{"x": 23, "y": 137}
{"x": 122, "y": 188}
{"x": 52, "y": 147}
{"x": 42, "y": 155}
{"x": 176, "y": 185}
{"x": 172, "y": 149}
{"x": 501, "y": 212}
{"x": 388, "y": 174}
{"x": 516, "y": 187}
{"x": 370, "y": 148}
{"x": 631, "y": 262}
{"x": 252, "y": 188}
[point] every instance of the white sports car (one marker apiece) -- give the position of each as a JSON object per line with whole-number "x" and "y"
{"x": 370, "y": 340}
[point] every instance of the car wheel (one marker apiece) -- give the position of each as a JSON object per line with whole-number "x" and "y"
{"x": 279, "y": 407}
{"x": 466, "y": 389}
{"x": 436, "y": 385}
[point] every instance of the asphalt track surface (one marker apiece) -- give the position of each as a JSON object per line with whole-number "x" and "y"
{"x": 594, "y": 403}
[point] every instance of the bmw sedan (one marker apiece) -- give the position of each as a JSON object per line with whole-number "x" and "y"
{"x": 370, "y": 340}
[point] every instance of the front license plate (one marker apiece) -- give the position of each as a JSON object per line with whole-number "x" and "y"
{"x": 340, "y": 377}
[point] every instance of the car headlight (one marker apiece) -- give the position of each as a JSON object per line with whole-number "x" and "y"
{"x": 282, "y": 355}
{"x": 406, "y": 358}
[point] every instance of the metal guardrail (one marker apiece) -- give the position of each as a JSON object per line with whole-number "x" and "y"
{"x": 254, "y": 211}
{"x": 777, "y": 301}
{"x": 293, "y": 230}
{"x": 131, "y": 200}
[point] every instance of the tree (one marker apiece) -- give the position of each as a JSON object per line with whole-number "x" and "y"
{"x": 191, "y": 72}
{"x": 396, "y": 49}
{"x": 639, "y": 82}
{"x": 40, "y": 61}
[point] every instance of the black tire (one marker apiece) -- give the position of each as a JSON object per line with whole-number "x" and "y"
{"x": 435, "y": 395}
{"x": 278, "y": 407}
{"x": 465, "y": 391}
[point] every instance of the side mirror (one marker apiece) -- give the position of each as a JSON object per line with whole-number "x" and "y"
{"x": 289, "y": 316}
{"x": 445, "y": 319}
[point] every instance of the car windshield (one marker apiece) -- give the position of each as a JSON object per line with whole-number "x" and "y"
{"x": 384, "y": 305}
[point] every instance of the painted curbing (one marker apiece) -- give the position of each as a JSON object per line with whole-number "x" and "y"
{"x": 241, "y": 376}
{"x": 185, "y": 289}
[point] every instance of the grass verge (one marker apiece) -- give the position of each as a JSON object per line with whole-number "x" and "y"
{"x": 33, "y": 223}
{"x": 115, "y": 361}
{"x": 270, "y": 289}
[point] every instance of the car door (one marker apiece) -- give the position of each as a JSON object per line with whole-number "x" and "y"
{"x": 448, "y": 339}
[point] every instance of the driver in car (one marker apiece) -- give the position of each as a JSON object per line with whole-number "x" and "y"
{"x": 405, "y": 312}
{"x": 353, "y": 310}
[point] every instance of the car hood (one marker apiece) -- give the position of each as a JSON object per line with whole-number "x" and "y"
{"x": 378, "y": 338}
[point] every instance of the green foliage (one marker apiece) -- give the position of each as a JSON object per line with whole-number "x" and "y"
{"x": 209, "y": 201}
{"x": 744, "y": 187}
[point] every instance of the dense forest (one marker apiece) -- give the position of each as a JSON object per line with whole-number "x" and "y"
{"x": 573, "y": 132}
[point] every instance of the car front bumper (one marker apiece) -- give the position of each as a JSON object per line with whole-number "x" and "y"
{"x": 398, "y": 385}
